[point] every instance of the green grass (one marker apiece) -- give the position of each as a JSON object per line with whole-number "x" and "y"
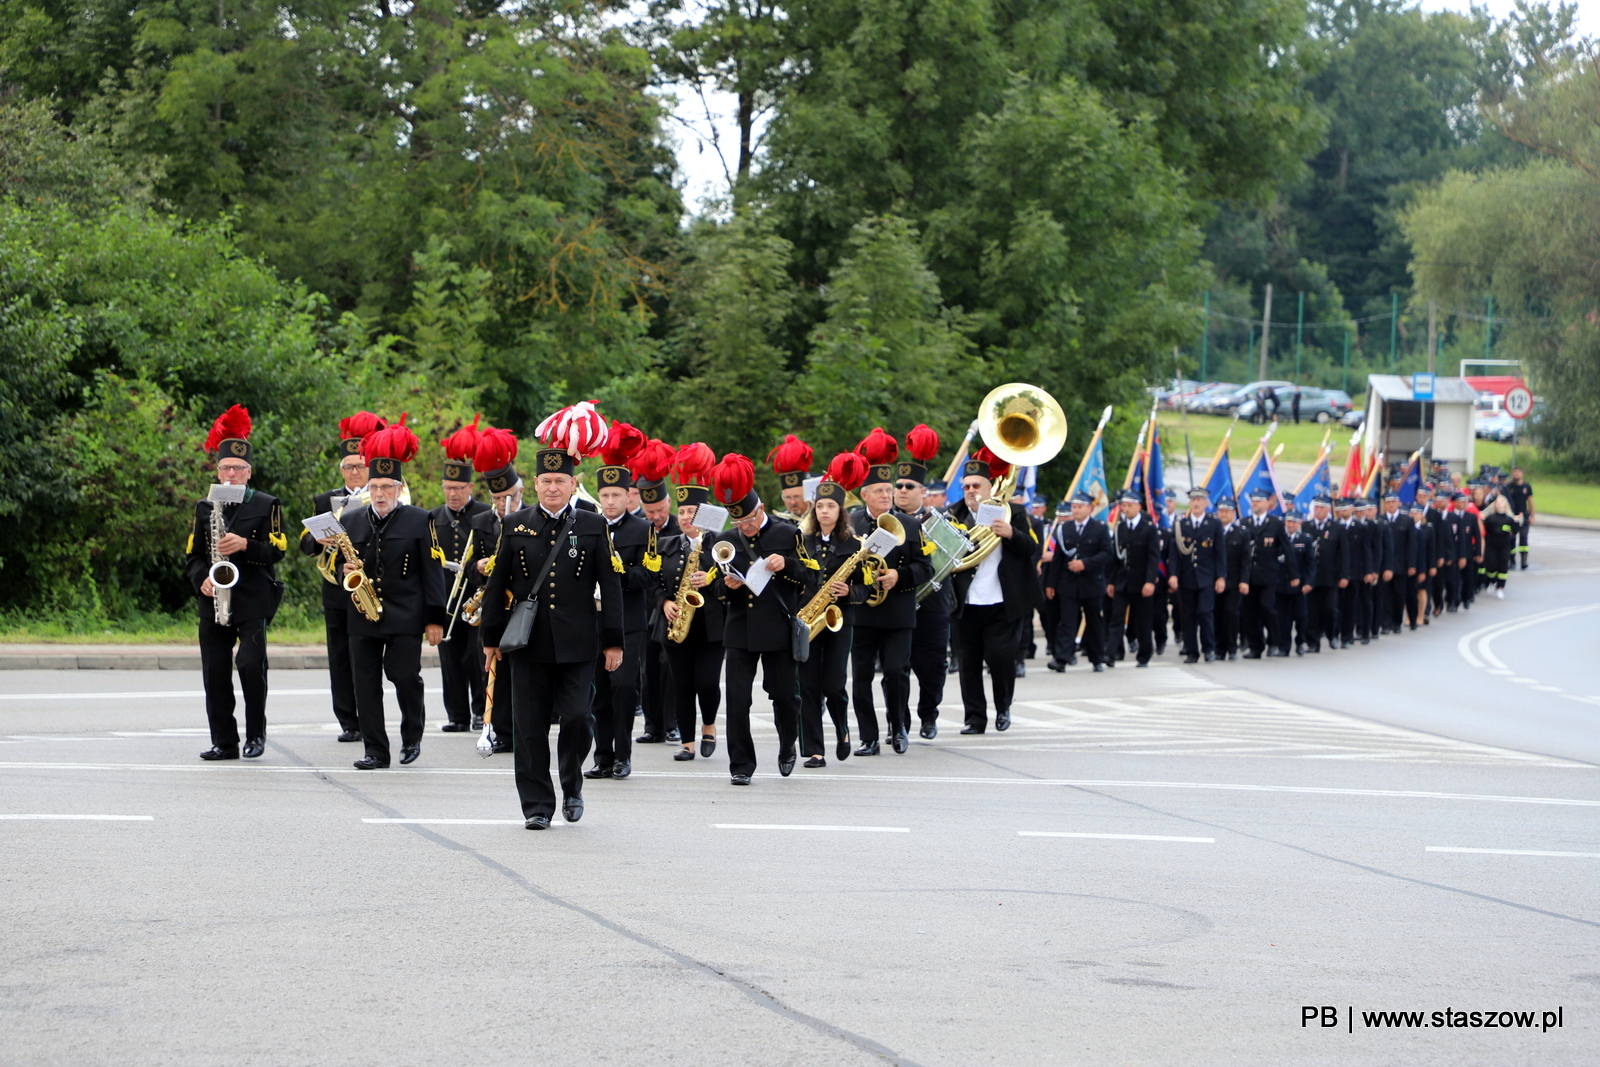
{"x": 294, "y": 626}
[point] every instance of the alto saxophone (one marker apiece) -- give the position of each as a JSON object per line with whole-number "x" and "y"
{"x": 820, "y": 612}
{"x": 688, "y": 598}
{"x": 362, "y": 592}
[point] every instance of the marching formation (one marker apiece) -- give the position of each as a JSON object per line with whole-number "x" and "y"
{"x": 672, "y": 585}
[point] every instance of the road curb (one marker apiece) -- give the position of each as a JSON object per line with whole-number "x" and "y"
{"x": 1561, "y": 522}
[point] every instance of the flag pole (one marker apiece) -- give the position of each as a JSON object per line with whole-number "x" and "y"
{"x": 1105, "y": 417}
{"x": 961, "y": 453}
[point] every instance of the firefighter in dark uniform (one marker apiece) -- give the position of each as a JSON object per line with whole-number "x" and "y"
{"x": 460, "y": 656}
{"x": 1197, "y": 569}
{"x": 1350, "y": 595}
{"x": 758, "y": 630}
{"x": 1237, "y": 545}
{"x": 930, "y": 640}
{"x": 1270, "y": 558}
{"x": 251, "y": 541}
{"x": 1075, "y": 578}
{"x": 553, "y": 557}
{"x": 1368, "y": 603}
{"x": 1469, "y": 548}
{"x": 400, "y": 554}
{"x": 1519, "y": 494}
{"x": 335, "y": 601}
{"x": 616, "y": 693}
{"x": 1293, "y": 593}
{"x": 1420, "y": 563}
{"x": 1331, "y": 573}
{"x": 1135, "y": 577}
{"x": 883, "y": 631}
{"x": 1396, "y": 582}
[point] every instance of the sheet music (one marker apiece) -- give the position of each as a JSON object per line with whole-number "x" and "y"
{"x": 226, "y": 494}
{"x": 810, "y": 486}
{"x": 881, "y": 543}
{"x": 987, "y": 513}
{"x": 756, "y": 576}
{"x": 711, "y": 517}
{"x": 323, "y": 525}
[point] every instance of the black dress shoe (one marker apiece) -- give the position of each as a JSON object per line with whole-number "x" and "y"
{"x": 622, "y": 768}
{"x": 740, "y": 779}
{"x": 647, "y": 739}
{"x": 409, "y": 754}
{"x": 1252, "y": 654}
{"x": 674, "y": 737}
{"x": 454, "y": 728}
{"x": 901, "y": 742}
{"x": 1002, "y": 720}
{"x": 1022, "y": 670}
{"x": 929, "y": 731}
{"x": 1364, "y": 640}
{"x": 1161, "y": 649}
{"x": 217, "y": 752}
{"x": 369, "y": 763}
{"x": 500, "y": 747}
{"x": 841, "y": 751}
{"x": 1071, "y": 661}
{"x": 868, "y": 748}
{"x": 1056, "y": 665}
{"x": 952, "y": 669}
{"x": 350, "y": 735}
{"x": 572, "y": 808}
{"x": 597, "y": 771}
{"x": 816, "y": 761}
{"x": 537, "y": 822}
{"x": 970, "y": 729}
{"x": 708, "y": 745}
{"x": 1211, "y": 657}
{"x": 254, "y": 746}
{"x": 1233, "y": 655}
{"x": 1146, "y": 664}
{"x": 1191, "y": 659}
{"x": 786, "y": 764}
{"x": 683, "y": 754}
{"x": 1314, "y": 647}
{"x": 1099, "y": 668}
{"x": 1110, "y": 663}
{"x": 477, "y": 723}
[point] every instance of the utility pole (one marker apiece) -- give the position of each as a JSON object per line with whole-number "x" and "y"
{"x": 1299, "y": 335}
{"x": 1205, "y": 338}
{"x": 1433, "y": 336}
{"x": 1394, "y": 326}
{"x": 1266, "y": 327}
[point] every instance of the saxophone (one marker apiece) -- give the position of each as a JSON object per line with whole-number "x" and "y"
{"x": 688, "y": 598}
{"x": 356, "y": 583}
{"x": 224, "y": 575}
{"x": 820, "y": 612}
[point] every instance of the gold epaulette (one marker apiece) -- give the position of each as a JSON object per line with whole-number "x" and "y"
{"x": 277, "y": 537}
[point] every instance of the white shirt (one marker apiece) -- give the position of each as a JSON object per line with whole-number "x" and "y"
{"x": 985, "y": 587}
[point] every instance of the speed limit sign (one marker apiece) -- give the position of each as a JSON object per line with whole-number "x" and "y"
{"x": 1518, "y": 401}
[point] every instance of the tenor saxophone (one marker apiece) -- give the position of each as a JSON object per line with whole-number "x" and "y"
{"x": 688, "y": 598}
{"x": 356, "y": 583}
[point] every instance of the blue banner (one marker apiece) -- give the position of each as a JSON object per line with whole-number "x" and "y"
{"x": 1411, "y": 482}
{"x": 1260, "y": 476}
{"x": 1319, "y": 482}
{"x": 1092, "y": 479}
{"x": 1220, "y": 484}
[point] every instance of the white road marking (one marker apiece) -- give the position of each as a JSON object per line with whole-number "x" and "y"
{"x": 447, "y": 822}
{"x": 1515, "y": 852}
{"x": 787, "y": 826}
{"x": 79, "y": 818}
{"x": 167, "y": 694}
{"x": 1117, "y": 837}
{"x": 1475, "y": 647}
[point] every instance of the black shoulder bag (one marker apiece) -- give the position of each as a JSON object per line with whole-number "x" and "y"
{"x": 519, "y": 628}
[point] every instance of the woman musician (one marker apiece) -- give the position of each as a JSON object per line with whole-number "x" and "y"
{"x": 696, "y": 660}
{"x": 829, "y": 541}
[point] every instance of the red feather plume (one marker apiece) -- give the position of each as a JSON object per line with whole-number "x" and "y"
{"x": 235, "y": 422}
{"x": 621, "y": 443}
{"x": 793, "y": 455}
{"x": 496, "y": 448}
{"x": 997, "y": 466}
{"x": 733, "y": 478}
{"x": 848, "y": 469}
{"x": 694, "y": 464}
{"x": 464, "y": 442}
{"x": 360, "y": 424}
{"x": 395, "y": 442}
{"x": 922, "y": 442}
{"x": 879, "y": 446}
{"x": 653, "y": 461}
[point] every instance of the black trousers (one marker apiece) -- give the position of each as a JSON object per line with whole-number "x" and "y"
{"x": 1165, "y": 605}
{"x": 1091, "y": 610}
{"x": 341, "y": 681}
{"x": 1131, "y": 620}
{"x": 1349, "y": 610}
{"x": 1198, "y": 608}
{"x": 696, "y": 667}
{"x": 1229, "y": 606}
{"x": 930, "y": 643}
{"x": 658, "y": 709}
{"x": 1367, "y": 609}
{"x": 616, "y": 698}
{"x": 895, "y": 648}
{"x": 1452, "y": 581}
{"x": 542, "y": 691}
{"x": 1258, "y": 617}
{"x": 400, "y": 660}
{"x": 461, "y": 665}
{"x": 217, "y": 663}
{"x": 1324, "y": 612}
{"x": 782, "y": 684}
{"x": 1521, "y": 551}
{"x": 822, "y": 681}
{"x": 989, "y": 639}
{"x": 1049, "y": 619}
{"x": 1395, "y": 592}
{"x": 1289, "y": 610}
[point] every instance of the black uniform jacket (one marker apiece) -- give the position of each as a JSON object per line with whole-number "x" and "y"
{"x": 1206, "y": 560}
{"x": 1137, "y": 556}
{"x": 454, "y": 532}
{"x": 1332, "y": 554}
{"x": 398, "y": 555}
{"x": 259, "y": 519}
{"x": 1470, "y": 541}
{"x": 334, "y": 598}
{"x": 1093, "y": 547}
{"x": 1303, "y": 547}
{"x": 1019, "y": 581}
{"x": 899, "y": 609}
{"x": 1237, "y": 545}
{"x": 762, "y": 623}
{"x": 630, "y": 536}
{"x": 567, "y": 628}
{"x": 674, "y": 550}
{"x": 1270, "y": 555}
{"x": 1399, "y": 529}
{"x": 829, "y": 556}
{"x": 1420, "y": 551}
{"x": 1365, "y": 551}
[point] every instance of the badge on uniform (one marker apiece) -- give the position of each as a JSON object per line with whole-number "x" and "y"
{"x": 572, "y": 545}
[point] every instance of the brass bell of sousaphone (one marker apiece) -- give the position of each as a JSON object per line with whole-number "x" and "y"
{"x": 1023, "y": 425}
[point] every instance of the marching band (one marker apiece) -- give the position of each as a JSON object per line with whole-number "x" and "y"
{"x": 674, "y": 584}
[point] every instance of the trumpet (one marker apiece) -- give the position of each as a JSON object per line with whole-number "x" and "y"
{"x": 1023, "y": 425}
{"x": 722, "y": 552}
{"x": 688, "y": 599}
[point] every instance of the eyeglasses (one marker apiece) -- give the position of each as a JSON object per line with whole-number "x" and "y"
{"x": 233, "y": 468}
{"x": 351, "y": 466}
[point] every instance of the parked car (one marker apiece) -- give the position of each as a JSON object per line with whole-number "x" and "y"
{"x": 1316, "y": 405}
{"x": 1496, "y": 427}
{"x": 1200, "y": 400}
{"x": 1168, "y": 396}
{"x": 1354, "y": 419}
{"x": 1227, "y": 403}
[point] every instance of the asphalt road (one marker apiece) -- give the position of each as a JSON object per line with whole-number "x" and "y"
{"x": 1161, "y": 866}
